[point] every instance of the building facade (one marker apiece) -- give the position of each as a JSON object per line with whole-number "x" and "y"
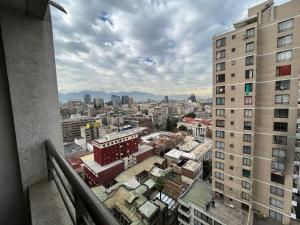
{"x": 87, "y": 98}
{"x": 255, "y": 109}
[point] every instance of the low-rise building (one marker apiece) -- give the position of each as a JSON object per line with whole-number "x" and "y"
{"x": 197, "y": 126}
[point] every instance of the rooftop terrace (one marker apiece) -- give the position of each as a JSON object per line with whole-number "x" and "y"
{"x": 200, "y": 195}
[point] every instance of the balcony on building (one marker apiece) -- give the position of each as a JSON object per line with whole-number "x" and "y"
{"x": 39, "y": 186}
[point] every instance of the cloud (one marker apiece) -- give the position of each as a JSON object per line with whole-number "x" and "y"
{"x": 158, "y": 46}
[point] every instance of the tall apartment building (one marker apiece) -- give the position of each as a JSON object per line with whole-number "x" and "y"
{"x": 256, "y": 69}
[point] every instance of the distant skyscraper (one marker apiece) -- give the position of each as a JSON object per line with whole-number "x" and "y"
{"x": 98, "y": 103}
{"x": 116, "y": 100}
{"x": 125, "y": 100}
{"x": 130, "y": 101}
{"x": 193, "y": 98}
{"x": 87, "y": 98}
{"x": 166, "y": 99}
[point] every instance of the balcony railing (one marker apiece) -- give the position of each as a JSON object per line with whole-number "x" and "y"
{"x": 81, "y": 203}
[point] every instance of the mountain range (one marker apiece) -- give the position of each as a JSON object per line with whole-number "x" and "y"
{"x": 136, "y": 95}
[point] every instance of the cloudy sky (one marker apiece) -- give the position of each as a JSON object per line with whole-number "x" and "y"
{"x": 157, "y": 46}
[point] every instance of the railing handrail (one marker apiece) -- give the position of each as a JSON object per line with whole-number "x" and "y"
{"x": 98, "y": 212}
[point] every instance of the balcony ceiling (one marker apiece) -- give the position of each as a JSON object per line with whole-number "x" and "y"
{"x": 35, "y": 8}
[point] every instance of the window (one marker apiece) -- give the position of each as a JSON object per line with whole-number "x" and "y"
{"x": 220, "y": 66}
{"x": 275, "y": 216}
{"x": 250, "y": 33}
{"x": 231, "y": 167}
{"x": 232, "y": 157}
{"x": 220, "y": 78}
{"x": 246, "y": 173}
{"x": 220, "y": 112}
{"x": 247, "y": 150}
{"x": 246, "y": 161}
{"x": 276, "y": 203}
{"x": 220, "y": 89}
{"x": 220, "y": 134}
{"x": 232, "y": 87}
{"x": 220, "y": 54}
{"x": 284, "y": 56}
{"x": 247, "y": 125}
{"x": 233, "y": 62}
{"x": 282, "y": 85}
{"x": 248, "y": 88}
{"x": 283, "y": 127}
{"x": 277, "y": 191}
{"x": 247, "y": 138}
{"x": 278, "y": 166}
{"x": 247, "y": 113}
{"x": 232, "y": 99}
{"x": 278, "y": 152}
{"x": 220, "y": 144}
{"x": 220, "y": 101}
{"x": 249, "y": 60}
{"x": 246, "y": 185}
{"x": 283, "y": 70}
{"x": 233, "y": 37}
{"x": 279, "y": 140}
{"x": 219, "y": 175}
{"x": 219, "y": 165}
{"x": 221, "y": 42}
{"x": 233, "y": 75}
{"x": 286, "y": 25}
{"x": 220, "y": 123}
{"x": 232, "y": 111}
{"x": 249, "y": 74}
{"x": 248, "y": 100}
{"x": 231, "y": 146}
{"x": 233, "y": 50}
{"x": 206, "y": 219}
{"x": 231, "y": 178}
{"x": 282, "y": 99}
{"x": 231, "y": 122}
{"x": 250, "y": 47}
{"x": 219, "y": 155}
{"x": 285, "y": 40}
{"x": 278, "y": 178}
{"x": 281, "y": 113}
{"x": 219, "y": 185}
{"x": 245, "y": 196}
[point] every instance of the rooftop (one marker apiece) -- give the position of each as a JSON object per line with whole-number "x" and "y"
{"x": 71, "y": 148}
{"x": 120, "y": 134}
{"x": 191, "y": 165}
{"x": 145, "y": 165}
{"x": 89, "y": 161}
{"x": 200, "y": 194}
{"x": 148, "y": 209}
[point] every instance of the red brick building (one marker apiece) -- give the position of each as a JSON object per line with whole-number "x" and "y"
{"x": 115, "y": 147}
{"x": 107, "y": 160}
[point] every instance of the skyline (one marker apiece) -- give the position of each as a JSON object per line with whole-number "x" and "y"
{"x": 150, "y": 46}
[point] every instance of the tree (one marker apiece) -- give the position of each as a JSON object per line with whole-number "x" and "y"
{"x": 169, "y": 125}
{"x": 160, "y": 185}
{"x": 191, "y": 115}
{"x": 207, "y": 167}
{"x": 182, "y": 128}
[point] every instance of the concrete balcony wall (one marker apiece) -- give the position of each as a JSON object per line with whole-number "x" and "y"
{"x": 30, "y": 65}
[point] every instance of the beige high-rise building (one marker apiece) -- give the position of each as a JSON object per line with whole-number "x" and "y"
{"x": 256, "y": 68}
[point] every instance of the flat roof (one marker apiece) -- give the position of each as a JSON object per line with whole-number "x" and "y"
{"x": 191, "y": 165}
{"x": 200, "y": 194}
{"x": 145, "y": 165}
{"x": 148, "y": 209}
{"x": 121, "y": 134}
{"x": 89, "y": 161}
